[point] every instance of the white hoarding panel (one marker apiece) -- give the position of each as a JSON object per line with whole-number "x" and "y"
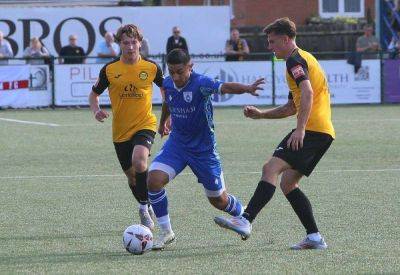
{"x": 73, "y": 83}
{"x": 53, "y": 25}
{"x": 24, "y": 86}
{"x": 244, "y": 72}
{"x": 346, "y": 87}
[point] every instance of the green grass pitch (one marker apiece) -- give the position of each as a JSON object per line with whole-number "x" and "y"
{"x": 65, "y": 202}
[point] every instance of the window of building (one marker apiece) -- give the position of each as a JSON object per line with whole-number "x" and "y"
{"x": 334, "y": 8}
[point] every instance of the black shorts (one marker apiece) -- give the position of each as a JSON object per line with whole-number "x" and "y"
{"x": 124, "y": 149}
{"x": 315, "y": 145}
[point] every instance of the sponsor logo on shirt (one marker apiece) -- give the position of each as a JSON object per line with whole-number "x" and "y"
{"x": 182, "y": 112}
{"x": 131, "y": 92}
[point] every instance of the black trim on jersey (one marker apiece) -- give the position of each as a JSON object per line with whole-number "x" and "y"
{"x": 294, "y": 60}
{"x": 159, "y": 78}
{"x": 102, "y": 83}
{"x": 290, "y": 96}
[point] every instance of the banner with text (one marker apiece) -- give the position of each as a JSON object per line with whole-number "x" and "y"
{"x": 244, "y": 72}
{"x": 25, "y": 86}
{"x": 345, "y": 86}
{"x": 53, "y": 25}
{"x": 73, "y": 83}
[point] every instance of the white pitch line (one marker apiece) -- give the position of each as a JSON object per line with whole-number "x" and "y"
{"x": 294, "y": 121}
{"x": 248, "y": 121}
{"x": 59, "y": 177}
{"x": 30, "y": 122}
{"x": 234, "y": 173}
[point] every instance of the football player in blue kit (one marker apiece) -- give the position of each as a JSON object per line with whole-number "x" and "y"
{"x": 191, "y": 142}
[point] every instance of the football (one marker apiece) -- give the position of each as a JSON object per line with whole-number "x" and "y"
{"x": 137, "y": 239}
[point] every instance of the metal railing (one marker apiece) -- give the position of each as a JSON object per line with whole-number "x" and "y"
{"x": 53, "y": 61}
{"x": 389, "y": 15}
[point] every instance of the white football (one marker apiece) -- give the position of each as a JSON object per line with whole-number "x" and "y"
{"x": 137, "y": 239}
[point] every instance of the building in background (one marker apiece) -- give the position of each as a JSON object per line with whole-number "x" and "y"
{"x": 317, "y": 30}
{"x": 261, "y": 12}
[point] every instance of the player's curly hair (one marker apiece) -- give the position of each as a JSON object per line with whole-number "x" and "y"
{"x": 129, "y": 30}
{"x": 282, "y": 26}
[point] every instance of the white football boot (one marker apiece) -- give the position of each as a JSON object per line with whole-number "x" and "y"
{"x": 238, "y": 224}
{"x": 307, "y": 243}
{"x": 164, "y": 238}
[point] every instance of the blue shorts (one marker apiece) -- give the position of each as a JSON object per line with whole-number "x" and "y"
{"x": 172, "y": 159}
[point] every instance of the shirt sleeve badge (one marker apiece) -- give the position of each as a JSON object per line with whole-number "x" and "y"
{"x": 297, "y": 71}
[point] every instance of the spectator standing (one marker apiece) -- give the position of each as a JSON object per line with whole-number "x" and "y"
{"x": 5, "y": 50}
{"x": 72, "y": 53}
{"x": 144, "y": 48}
{"x": 176, "y": 41}
{"x": 36, "y": 53}
{"x": 108, "y": 49}
{"x": 236, "y": 48}
{"x": 367, "y": 43}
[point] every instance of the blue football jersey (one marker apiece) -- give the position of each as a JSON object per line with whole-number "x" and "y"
{"x": 192, "y": 112}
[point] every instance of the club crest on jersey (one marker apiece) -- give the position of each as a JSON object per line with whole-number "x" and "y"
{"x": 297, "y": 71}
{"x": 188, "y": 96}
{"x": 143, "y": 75}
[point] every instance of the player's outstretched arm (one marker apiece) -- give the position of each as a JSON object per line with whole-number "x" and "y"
{"x": 99, "y": 114}
{"x": 239, "y": 88}
{"x": 282, "y": 111}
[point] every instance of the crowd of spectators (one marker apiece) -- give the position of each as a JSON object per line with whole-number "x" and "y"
{"x": 236, "y": 48}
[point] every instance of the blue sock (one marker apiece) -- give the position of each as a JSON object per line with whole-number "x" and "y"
{"x": 159, "y": 202}
{"x": 234, "y": 206}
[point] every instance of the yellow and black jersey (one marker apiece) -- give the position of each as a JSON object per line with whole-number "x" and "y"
{"x": 300, "y": 66}
{"x": 130, "y": 87}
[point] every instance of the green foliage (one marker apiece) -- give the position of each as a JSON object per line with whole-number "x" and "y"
{"x": 345, "y": 20}
{"x": 65, "y": 202}
{"x": 335, "y": 20}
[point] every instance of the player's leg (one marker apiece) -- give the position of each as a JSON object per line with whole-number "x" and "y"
{"x": 139, "y": 162}
{"x": 266, "y": 187}
{"x": 208, "y": 170}
{"x": 124, "y": 152}
{"x": 142, "y": 142}
{"x": 159, "y": 201}
{"x": 314, "y": 147}
{"x": 214, "y": 187}
{"x": 302, "y": 207}
{"x": 166, "y": 165}
{"x": 207, "y": 167}
{"x": 227, "y": 203}
{"x": 262, "y": 195}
